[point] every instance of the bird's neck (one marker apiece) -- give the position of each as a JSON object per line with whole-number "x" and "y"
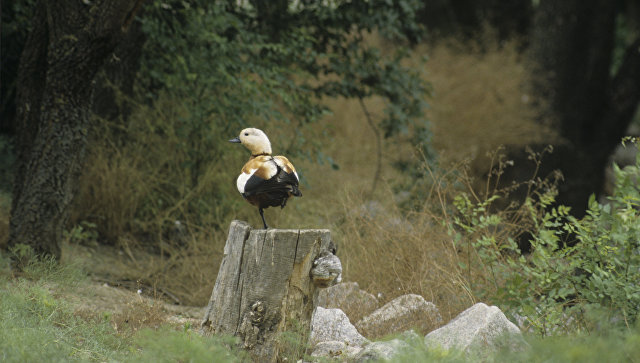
{"x": 260, "y": 148}
{"x": 260, "y": 154}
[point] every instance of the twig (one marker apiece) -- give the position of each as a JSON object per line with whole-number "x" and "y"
{"x": 376, "y": 176}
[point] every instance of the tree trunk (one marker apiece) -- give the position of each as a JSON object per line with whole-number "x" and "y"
{"x": 264, "y": 286}
{"x": 68, "y": 45}
{"x": 572, "y": 43}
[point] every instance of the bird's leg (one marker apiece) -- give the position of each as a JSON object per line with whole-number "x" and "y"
{"x": 262, "y": 215}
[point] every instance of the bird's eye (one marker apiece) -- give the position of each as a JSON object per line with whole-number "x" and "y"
{"x": 246, "y": 134}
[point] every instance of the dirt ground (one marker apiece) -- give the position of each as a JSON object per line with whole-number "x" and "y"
{"x": 113, "y": 291}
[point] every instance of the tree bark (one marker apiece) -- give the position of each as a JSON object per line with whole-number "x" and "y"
{"x": 572, "y": 44}
{"x": 264, "y": 286}
{"x": 68, "y": 45}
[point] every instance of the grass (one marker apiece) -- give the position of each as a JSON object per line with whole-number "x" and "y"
{"x": 37, "y": 324}
{"x": 608, "y": 346}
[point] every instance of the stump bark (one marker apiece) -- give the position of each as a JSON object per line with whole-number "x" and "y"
{"x": 265, "y": 287}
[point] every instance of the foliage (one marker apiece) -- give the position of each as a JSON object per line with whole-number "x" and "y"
{"x": 241, "y": 63}
{"x": 257, "y": 62}
{"x": 210, "y": 69}
{"x": 591, "y": 265}
{"x": 14, "y": 28}
{"x": 581, "y": 274}
{"x": 82, "y": 233}
{"x": 226, "y": 67}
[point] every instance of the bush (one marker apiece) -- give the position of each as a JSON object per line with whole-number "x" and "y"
{"x": 581, "y": 274}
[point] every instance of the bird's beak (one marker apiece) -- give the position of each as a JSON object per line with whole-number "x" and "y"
{"x": 235, "y": 140}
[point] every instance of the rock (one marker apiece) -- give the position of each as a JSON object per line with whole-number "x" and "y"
{"x": 402, "y": 313}
{"x": 348, "y": 297}
{"x": 377, "y": 351}
{"x": 333, "y": 325}
{"x": 326, "y": 270}
{"x": 335, "y": 349}
{"x": 480, "y": 329}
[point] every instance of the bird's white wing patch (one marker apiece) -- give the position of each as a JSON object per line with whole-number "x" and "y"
{"x": 281, "y": 164}
{"x": 242, "y": 180}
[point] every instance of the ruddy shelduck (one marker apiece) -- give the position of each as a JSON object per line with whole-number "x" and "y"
{"x": 265, "y": 180}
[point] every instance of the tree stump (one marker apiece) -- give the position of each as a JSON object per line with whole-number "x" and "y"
{"x": 265, "y": 285}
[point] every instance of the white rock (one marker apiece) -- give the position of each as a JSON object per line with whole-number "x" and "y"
{"x": 333, "y": 325}
{"x": 402, "y": 313}
{"x": 479, "y": 327}
{"x": 348, "y": 297}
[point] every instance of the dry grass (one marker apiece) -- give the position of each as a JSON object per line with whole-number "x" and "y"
{"x": 391, "y": 253}
{"x": 112, "y": 189}
{"x": 482, "y": 100}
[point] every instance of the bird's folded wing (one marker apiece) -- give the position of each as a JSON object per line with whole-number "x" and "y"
{"x": 281, "y": 182}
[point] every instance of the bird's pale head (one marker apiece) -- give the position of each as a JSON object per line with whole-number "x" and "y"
{"x": 255, "y": 140}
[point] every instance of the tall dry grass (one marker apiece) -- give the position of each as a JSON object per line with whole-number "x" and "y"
{"x": 481, "y": 101}
{"x": 161, "y": 215}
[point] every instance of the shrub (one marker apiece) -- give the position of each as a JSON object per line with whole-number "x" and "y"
{"x": 581, "y": 274}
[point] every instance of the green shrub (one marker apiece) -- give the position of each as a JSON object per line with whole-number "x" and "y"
{"x": 582, "y": 274}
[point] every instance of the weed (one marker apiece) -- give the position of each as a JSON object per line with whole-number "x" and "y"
{"x": 35, "y": 326}
{"x": 167, "y": 345}
{"x": 292, "y": 343}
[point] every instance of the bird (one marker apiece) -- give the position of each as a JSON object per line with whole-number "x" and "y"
{"x": 265, "y": 180}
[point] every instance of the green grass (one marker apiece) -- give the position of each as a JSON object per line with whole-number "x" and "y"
{"x": 167, "y": 345}
{"x": 609, "y": 346}
{"x": 606, "y": 346}
{"x": 36, "y": 325}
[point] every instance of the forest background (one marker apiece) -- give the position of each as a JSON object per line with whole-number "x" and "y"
{"x": 454, "y": 148}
